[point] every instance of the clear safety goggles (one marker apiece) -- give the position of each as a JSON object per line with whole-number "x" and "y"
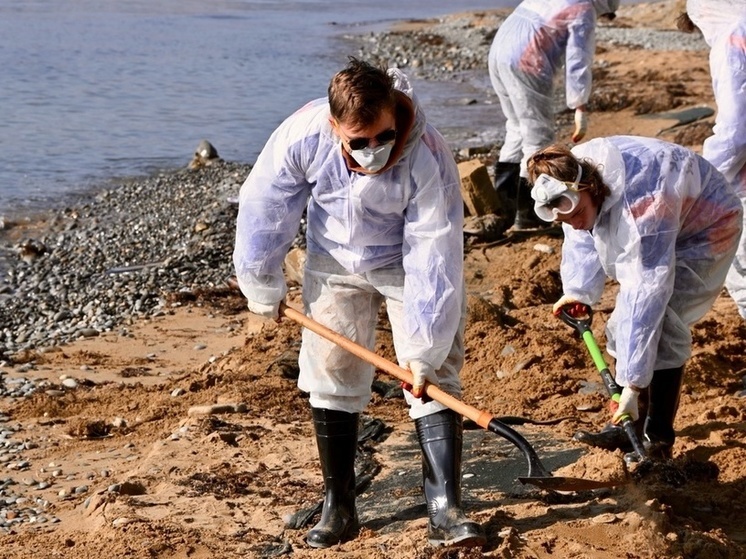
{"x": 554, "y": 197}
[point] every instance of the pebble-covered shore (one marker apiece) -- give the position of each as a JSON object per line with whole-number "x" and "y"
{"x": 448, "y": 49}
{"x": 104, "y": 264}
{"x": 99, "y": 267}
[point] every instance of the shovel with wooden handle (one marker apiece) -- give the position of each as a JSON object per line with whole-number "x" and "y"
{"x": 538, "y": 475}
{"x": 580, "y": 319}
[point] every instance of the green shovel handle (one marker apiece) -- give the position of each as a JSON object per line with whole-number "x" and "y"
{"x": 583, "y": 327}
{"x": 612, "y": 388}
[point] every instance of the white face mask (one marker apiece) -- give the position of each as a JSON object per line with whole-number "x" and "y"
{"x": 373, "y": 159}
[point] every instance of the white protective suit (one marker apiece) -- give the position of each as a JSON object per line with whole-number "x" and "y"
{"x": 667, "y": 235}
{"x": 723, "y": 25}
{"x": 395, "y": 236}
{"x": 528, "y": 50}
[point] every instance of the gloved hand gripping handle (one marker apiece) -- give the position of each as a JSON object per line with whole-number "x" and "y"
{"x": 583, "y": 327}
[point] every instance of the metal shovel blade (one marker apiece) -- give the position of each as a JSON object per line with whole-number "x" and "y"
{"x": 538, "y": 475}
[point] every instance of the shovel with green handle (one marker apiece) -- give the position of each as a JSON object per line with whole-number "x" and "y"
{"x": 538, "y": 475}
{"x": 579, "y": 316}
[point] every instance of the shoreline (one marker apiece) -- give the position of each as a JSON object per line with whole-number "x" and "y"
{"x": 96, "y": 267}
{"x": 80, "y": 216}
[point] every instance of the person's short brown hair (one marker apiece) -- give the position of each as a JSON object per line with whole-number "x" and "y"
{"x": 360, "y": 92}
{"x": 559, "y": 162}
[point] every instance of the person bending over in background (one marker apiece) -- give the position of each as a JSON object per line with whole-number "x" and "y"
{"x": 723, "y": 26}
{"x": 664, "y": 223}
{"x": 528, "y": 50}
{"x": 385, "y": 224}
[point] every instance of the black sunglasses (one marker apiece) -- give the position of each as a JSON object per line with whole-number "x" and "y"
{"x": 384, "y": 137}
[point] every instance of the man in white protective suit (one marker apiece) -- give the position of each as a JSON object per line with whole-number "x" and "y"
{"x": 723, "y": 25}
{"x": 384, "y": 225}
{"x": 527, "y": 53}
{"x": 664, "y": 223}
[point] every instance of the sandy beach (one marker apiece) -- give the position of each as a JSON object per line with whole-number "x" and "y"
{"x": 182, "y": 434}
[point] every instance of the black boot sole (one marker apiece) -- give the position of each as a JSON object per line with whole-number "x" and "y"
{"x": 468, "y": 534}
{"x": 321, "y": 539}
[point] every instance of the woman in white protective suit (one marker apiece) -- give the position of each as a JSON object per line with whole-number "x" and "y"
{"x": 723, "y": 25}
{"x": 384, "y": 224}
{"x": 528, "y": 50}
{"x": 664, "y": 223}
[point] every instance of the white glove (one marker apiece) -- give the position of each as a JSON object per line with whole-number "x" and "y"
{"x": 271, "y": 310}
{"x": 581, "y": 125}
{"x": 564, "y": 300}
{"x": 421, "y": 372}
{"x": 627, "y": 405}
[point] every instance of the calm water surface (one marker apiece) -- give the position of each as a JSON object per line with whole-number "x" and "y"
{"x": 93, "y": 90}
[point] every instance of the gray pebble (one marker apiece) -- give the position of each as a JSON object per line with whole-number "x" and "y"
{"x": 70, "y": 383}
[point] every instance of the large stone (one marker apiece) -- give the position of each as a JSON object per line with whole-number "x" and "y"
{"x": 204, "y": 156}
{"x": 477, "y": 189}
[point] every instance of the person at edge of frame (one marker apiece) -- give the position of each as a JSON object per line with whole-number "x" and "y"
{"x": 723, "y": 27}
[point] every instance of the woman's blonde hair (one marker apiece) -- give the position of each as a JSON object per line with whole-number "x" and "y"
{"x": 559, "y": 162}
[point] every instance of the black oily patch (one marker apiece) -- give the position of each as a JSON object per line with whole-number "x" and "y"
{"x": 676, "y": 473}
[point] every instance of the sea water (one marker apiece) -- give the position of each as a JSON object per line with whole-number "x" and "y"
{"x": 96, "y": 89}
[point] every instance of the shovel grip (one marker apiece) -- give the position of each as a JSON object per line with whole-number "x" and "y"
{"x": 479, "y": 417}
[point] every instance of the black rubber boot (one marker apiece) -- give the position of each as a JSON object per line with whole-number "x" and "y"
{"x": 336, "y": 438}
{"x": 507, "y": 176}
{"x": 440, "y": 436}
{"x": 659, "y": 434}
{"x": 613, "y": 437}
{"x": 525, "y": 215}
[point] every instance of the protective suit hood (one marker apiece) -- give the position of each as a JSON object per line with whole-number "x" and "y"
{"x": 612, "y": 171}
{"x": 416, "y": 117}
{"x": 715, "y": 17}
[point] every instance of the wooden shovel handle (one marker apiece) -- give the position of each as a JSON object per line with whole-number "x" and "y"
{"x": 481, "y": 418}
